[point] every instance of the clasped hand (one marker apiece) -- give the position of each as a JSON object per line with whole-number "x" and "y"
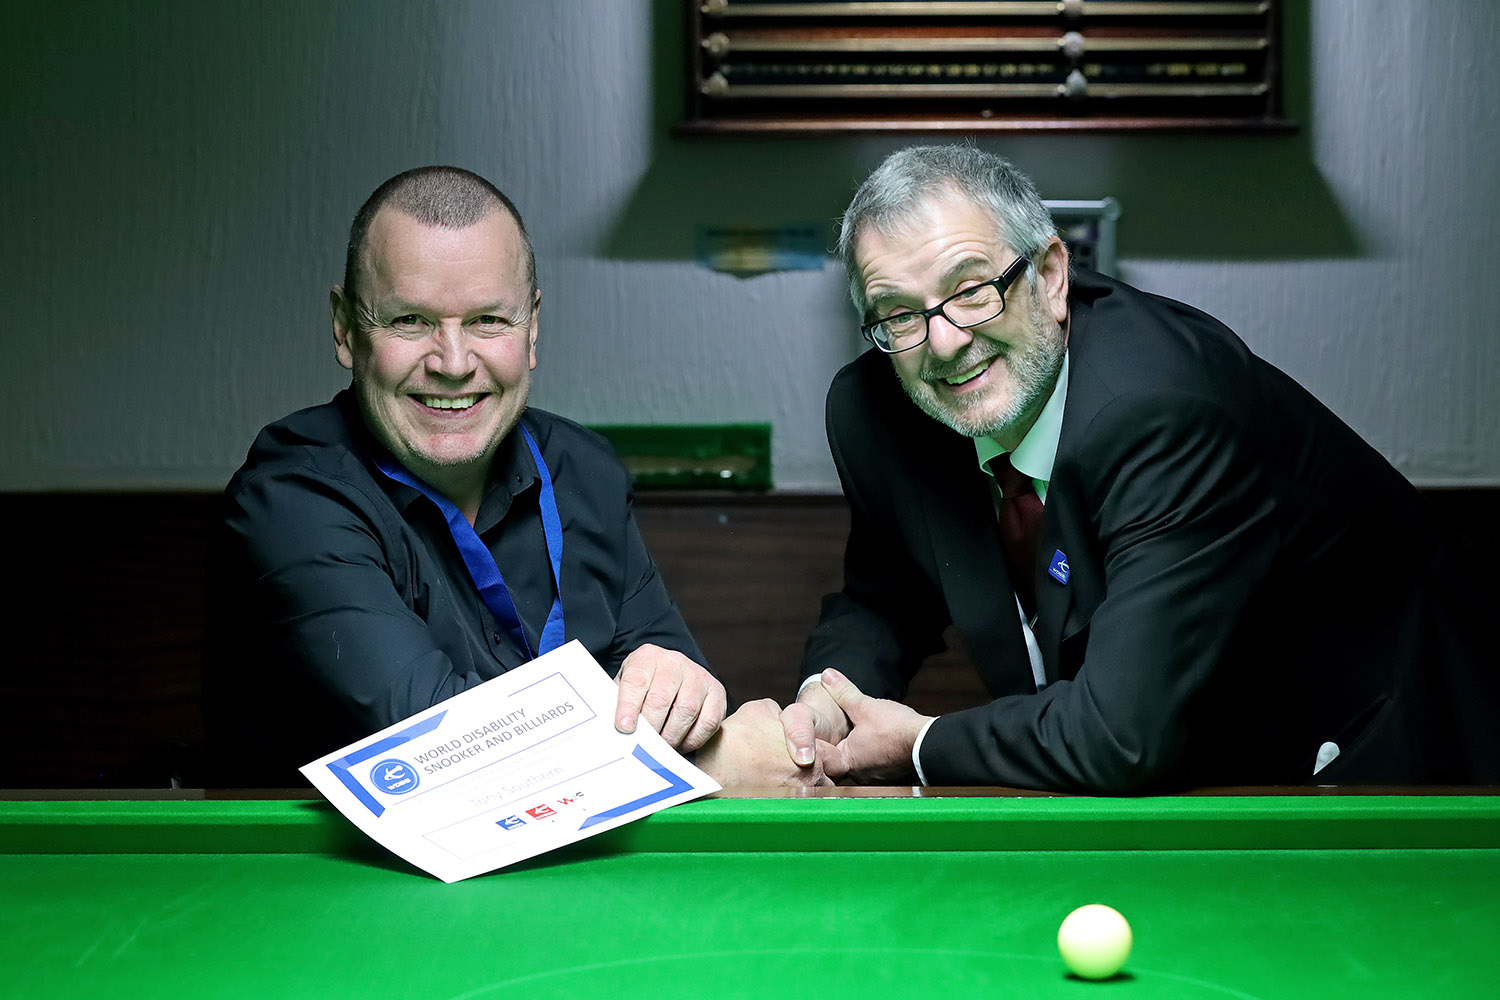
{"x": 832, "y": 733}
{"x": 686, "y": 705}
{"x": 856, "y": 739}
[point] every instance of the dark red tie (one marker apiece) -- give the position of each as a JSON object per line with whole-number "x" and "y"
{"x": 1019, "y": 510}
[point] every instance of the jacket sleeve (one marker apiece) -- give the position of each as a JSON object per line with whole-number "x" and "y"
{"x": 890, "y": 615}
{"x": 1187, "y": 530}
{"x": 317, "y": 582}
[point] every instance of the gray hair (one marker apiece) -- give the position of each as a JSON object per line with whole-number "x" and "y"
{"x": 441, "y": 196}
{"x": 911, "y": 177}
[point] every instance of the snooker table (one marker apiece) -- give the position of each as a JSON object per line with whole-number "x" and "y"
{"x": 909, "y": 893}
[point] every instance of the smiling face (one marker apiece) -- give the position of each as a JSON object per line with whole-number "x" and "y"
{"x": 989, "y": 380}
{"x": 442, "y": 341}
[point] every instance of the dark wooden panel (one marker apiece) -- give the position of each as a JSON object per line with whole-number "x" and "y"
{"x": 748, "y": 576}
{"x": 99, "y": 678}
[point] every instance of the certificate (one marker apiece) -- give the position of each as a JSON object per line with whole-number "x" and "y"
{"x": 524, "y": 763}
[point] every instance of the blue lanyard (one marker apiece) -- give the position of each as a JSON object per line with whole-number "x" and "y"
{"x": 481, "y": 564}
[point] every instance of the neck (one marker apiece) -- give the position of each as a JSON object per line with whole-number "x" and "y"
{"x": 467, "y": 501}
{"x": 461, "y": 487}
{"x": 1010, "y": 437}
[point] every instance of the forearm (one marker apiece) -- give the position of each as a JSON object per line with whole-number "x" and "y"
{"x": 879, "y": 651}
{"x": 312, "y": 595}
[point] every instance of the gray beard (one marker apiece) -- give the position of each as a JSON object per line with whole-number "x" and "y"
{"x": 1033, "y": 373}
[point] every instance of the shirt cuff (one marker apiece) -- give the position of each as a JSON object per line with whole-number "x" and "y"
{"x": 916, "y": 750}
{"x": 816, "y": 678}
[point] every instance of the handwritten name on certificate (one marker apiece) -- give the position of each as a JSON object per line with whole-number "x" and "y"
{"x": 522, "y": 764}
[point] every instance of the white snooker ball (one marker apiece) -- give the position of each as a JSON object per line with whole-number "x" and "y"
{"x": 1095, "y": 941}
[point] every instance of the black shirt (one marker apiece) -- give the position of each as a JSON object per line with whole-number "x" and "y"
{"x": 339, "y": 603}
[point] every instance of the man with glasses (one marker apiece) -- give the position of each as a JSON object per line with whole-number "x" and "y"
{"x": 426, "y": 530}
{"x": 1171, "y": 566}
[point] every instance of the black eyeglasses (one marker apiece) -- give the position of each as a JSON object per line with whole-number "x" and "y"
{"x": 974, "y": 305}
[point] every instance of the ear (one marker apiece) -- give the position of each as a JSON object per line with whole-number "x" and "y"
{"x": 342, "y": 310}
{"x": 1054, "y": 279}
{"x": 536, "y": 313}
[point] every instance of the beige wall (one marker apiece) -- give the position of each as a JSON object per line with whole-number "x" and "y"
{"x": 177, "y": 179}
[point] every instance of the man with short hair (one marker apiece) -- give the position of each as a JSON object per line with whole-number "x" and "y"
{"x": 1172, "y": 566}
{"x": 426, "y": 530}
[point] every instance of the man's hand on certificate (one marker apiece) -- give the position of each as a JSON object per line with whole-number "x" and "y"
{"x": 749, "y": 751}
{"x": 878, "y": 748}
{"x": 679, "y": 699}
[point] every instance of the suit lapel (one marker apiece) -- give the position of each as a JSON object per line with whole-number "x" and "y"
{"x": 1064, "y": 607}
{"x": 1063, "y": 598}
{"x": 971, "y": 569}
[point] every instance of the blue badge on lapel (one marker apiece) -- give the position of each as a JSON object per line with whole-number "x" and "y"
{"x": 1059, "y": 570}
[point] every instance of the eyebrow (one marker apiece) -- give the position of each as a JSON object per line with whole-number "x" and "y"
{"x": 969, "y": 266}
{"x": 964, "y": 267}
{"x": 400, "y": 307}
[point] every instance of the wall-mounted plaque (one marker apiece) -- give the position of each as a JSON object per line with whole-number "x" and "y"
{"x": 977, "y": 65}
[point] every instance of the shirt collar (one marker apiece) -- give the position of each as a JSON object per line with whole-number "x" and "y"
{"x": 1038, "y": 449}
{"x": 512, "y": 472}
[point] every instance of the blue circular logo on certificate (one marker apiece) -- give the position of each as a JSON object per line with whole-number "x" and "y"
{"x": 394, "y": 777}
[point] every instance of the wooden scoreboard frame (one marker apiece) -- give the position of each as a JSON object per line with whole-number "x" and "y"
{"x": 806, "y": 66}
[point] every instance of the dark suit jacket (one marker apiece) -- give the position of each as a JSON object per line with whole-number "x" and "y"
{"x": 1248, "y": 578}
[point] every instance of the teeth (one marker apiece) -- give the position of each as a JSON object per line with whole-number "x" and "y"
{"x": 966, "y": 376}
{"x": 449, "y": 403}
